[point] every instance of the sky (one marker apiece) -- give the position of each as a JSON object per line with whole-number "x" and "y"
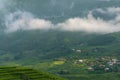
{"x": 101, "y": 20}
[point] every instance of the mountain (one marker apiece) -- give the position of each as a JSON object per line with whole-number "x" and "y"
{"x": 42, "y": 45}
{"x": 55, "y": 51}
{"x": 75, "y": 39}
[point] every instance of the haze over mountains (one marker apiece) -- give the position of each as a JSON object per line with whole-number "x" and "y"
{"x": 37, "y": 19}
{"x": 64, "y": 37}
{"x": 100, "y": 16}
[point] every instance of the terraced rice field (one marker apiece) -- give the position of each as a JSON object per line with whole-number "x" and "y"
{"x": 20, "y": 73}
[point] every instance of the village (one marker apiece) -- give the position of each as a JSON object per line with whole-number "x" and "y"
{"x": 103, "y": 64}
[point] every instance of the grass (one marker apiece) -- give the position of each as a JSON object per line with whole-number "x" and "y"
{"x": 58, "y": 62}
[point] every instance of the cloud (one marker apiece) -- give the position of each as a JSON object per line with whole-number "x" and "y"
{"x": 89, "y": 25}
{"x": 5, "y": 5}
{"x": 106, "y": 0}
{"x": 110, "y": 10}
{"x": 2, "y": 4}
{"x": 21, "y": 20}
{"x": 25, "y": 21}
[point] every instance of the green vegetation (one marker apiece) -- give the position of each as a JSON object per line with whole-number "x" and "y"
{"x": 72, "y": 55}
{"x": 67, "y": 54}
{"x": 105, "y": 76}
{"x": 25, "y": 73}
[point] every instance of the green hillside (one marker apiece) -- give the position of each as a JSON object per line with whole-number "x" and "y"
{"x": 21, "y": 73}
{"x": 26, "y": 73}
{"x": 106, "y": 76}
{"x": 47, "y": 45}
{"x": 68, "y": 54}
{"x": 74, "y": 39}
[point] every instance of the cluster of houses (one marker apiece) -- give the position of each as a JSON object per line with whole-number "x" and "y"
{"x": 104, "y": 64}
{"x": 77, "y": 50}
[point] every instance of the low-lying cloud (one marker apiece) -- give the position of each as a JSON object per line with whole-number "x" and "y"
{"x": 2, "y": 4}
{"x": 5, "y": 5}
{"x": 26, "y": 21}
{"x": 89, "y": 25}
{"x": 110, "y": 10}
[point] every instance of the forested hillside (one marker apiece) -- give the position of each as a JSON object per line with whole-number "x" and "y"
{"x": 75, "y": 39}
